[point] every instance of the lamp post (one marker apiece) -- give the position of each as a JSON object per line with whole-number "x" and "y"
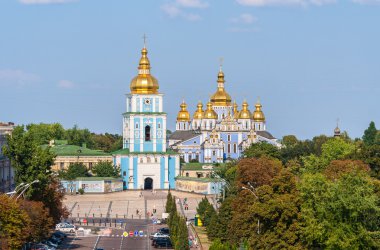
{"x": 253, "y": 191}
{"x": 26, "y": 188}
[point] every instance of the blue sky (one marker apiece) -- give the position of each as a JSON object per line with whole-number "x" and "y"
{"x": 309, "y": 61}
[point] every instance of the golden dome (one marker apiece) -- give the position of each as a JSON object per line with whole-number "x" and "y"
{"x": 199, "y": 114}
{"x": 221, "y": 97}
{"x": 245, "y": 113}
{"x": 236, "y": 111}
{"x": 183, "y": 114}
{"x": 144, "y": 82}
{"x": 209, "y": 112}
{"x": 258, "y": 115}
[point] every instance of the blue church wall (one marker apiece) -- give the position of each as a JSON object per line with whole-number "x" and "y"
{"x": 156, "y": 103}
{"x": 191, "y": 141}
{"x": 159, "y": 145}
{"x": 148, "y": 146}
{"x": 147, "y": 107}
{"x": 172, "y": 171}
{"x": 162, "y": 172}
{"x": 135, "y": 167}
{"x": 124, "y": 169}
{"x": 138, "y": 104}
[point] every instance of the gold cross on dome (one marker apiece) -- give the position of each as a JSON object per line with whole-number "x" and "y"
{"x": 221, "y": 59}
{"x": 144, "y": 37}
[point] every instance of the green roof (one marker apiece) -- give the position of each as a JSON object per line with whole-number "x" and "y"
{"x": 125, "y": 151}
{"x": 196, "y": 166}
{"x": 97, "y": 178}
{"x": 73, "y": 150}
{"x": 184, "y": 178}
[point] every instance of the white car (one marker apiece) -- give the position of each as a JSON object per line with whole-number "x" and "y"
{"x": 66, "y": 228}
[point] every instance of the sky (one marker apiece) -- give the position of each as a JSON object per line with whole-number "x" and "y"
{"x": 310, "y": 62}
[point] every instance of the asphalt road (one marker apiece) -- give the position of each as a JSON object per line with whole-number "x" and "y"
{"x": 114, "y": 238}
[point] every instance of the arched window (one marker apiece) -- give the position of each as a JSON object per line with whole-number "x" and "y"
{"x": 147, "y": 133}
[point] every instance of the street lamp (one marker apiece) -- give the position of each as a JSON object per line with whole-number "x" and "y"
{"x": 26, "y": 187}
{"x": 11, "y": 194}
{"x": 252, "y": 190}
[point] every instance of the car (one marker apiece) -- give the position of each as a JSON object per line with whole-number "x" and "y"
{"x": 59, "y": 234}
{"x": 50, "y": 243}
{"x": 159, "y": 235}
{"x": 155, "y": 239}
{"x": 66, "y": 228}
{"x": 63, "y": 224}
{"x": 41, "y": 246}
{"x": 164, "y": 230}
{"x": 163, "y": 243}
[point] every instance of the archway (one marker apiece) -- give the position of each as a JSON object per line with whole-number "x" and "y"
{"x": 148, "y": 183}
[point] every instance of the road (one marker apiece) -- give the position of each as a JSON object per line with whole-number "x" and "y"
{"x": 113, "y": 238}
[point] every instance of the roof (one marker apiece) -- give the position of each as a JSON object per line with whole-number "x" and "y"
{"x": 184, "y": 178}
{"x": 265, "y": 134}
{"x": 73, "y": 150}
{"x": 98, "y": 178}
{"x": 196, "y": 166}
{"x": 183, "y": 135}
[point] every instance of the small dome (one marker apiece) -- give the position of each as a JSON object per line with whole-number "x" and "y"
{"x": 183, "y": 114}
{"x": 245, "y": 113}
{"x": 258, "y": 115}
{"x": 144, "y": 82}
{"x": 236, "y": 111}
{"x": 199, "y": 114}
{"x": 221, "y": 97}
{"x": 209, "y": 112}
{"x": 337, "y": 131}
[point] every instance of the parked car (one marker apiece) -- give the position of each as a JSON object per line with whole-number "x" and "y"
{"x": 50, "y": 243}
{"x": 164, "y": 230}
{"x": 63, "y": 224}
{"x": 66, "y": 228}
{"x": 59, "y": 234}
{"x": 163, "y": 243}
{"x": 41, "y": 246}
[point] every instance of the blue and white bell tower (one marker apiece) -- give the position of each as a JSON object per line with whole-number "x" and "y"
{"x": 144, "y": 160}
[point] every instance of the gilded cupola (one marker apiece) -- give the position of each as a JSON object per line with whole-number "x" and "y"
{"x": 221, "y": 97}
{"x": 245, "y": 113}
{"x": 209, "y": 112}
{"x": 183, "y": 114}
{"x": 258, "y": 115}
{"x": 199, "y": 114}
{"x": 236, "y": 111}
{"x": 144, "y": 82}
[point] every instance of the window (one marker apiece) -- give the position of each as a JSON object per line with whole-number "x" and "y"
{"x": 229, "y": 148}
{"x": 235, "y": 148}
{"x": 228, "y": 137}
{"x": 190, "y": 157}
{"x": 137, "y": 125}
{"x": 90, "y": 165}
{"x": 159, "y": 125}
{"x": 147, "y": 133}
{"x": 124, "y": 183}
{"x": 62, "y": 165}
{"x": 124, "y": 173}
{"x": 213, "y": 152}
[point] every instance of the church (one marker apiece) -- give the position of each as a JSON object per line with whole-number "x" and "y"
{"x": 145, "y": 161}
{"x": 219, "y": 132}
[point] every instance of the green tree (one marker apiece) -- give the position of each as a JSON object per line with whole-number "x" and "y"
{"x": 42, "y": 133}
{"x": 30, "y": 161}
{"x": 289, "y": 140}
{"x": 76, "y": 136}
{"x": 106, "y": 169}
{"x": 218, "y": 245}
{"x": 74, "y": 171}
{"x": 14, "y": 224}
{"x": 370, "y": 134}
{"x": 340, "y": 214}
{"x": 257, "y": 150}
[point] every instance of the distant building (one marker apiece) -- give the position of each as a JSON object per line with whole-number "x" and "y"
{"x": 68, "y": 154}
{"x": 220, "y": 132}
{"x": 144, "y": 160}
{"x": 7, "y": 173}
{"x": 198, "y": 178}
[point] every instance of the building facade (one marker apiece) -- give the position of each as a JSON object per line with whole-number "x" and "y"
{"x": 144, "y": 160}
{"x": 68, "y": 154}
{"x": 7, "y": 182}
{"x": 220, "y": 131}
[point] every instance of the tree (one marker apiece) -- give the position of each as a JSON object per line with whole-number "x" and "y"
{"x": 106, "y": 169}
{"x": 42, "y": 133}
{"x": 74, "y": 171}
{"x": 76, "y": 136}
{"x": 14, "y": 224}
{"x": 371, "y": 156}
{"x": 289, "y": 140}
{"x": 369, "y": 137}
{"x": 340, "y": 214}
{"x": 40, "y": 221}
{"x": 257, "y": 150}
{"x": 30, "y": 161}
{"x": 338, "y": 168}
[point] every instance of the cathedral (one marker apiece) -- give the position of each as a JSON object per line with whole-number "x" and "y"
{"x": 145, "y": 161}
{"x": 219, "y": 132}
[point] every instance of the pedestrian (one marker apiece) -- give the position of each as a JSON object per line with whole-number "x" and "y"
{"x": 137, "y": 212}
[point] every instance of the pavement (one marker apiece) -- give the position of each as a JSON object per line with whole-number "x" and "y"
{"x": 111, "y": 215}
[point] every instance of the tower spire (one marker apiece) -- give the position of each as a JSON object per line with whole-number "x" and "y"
{"x": 144, "y": 38}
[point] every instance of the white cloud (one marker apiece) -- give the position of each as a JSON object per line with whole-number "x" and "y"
{"x": 192, "y": 4}
{"x": 177, "y": 9}
{"x": 244, "y": 18}
{"x": 366, "y": 1}
{"x": 16, "y": 77}
{"x": 45, "y": 1}
{"x": 65, "y": 84}
{"x": 260, "y": 3}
